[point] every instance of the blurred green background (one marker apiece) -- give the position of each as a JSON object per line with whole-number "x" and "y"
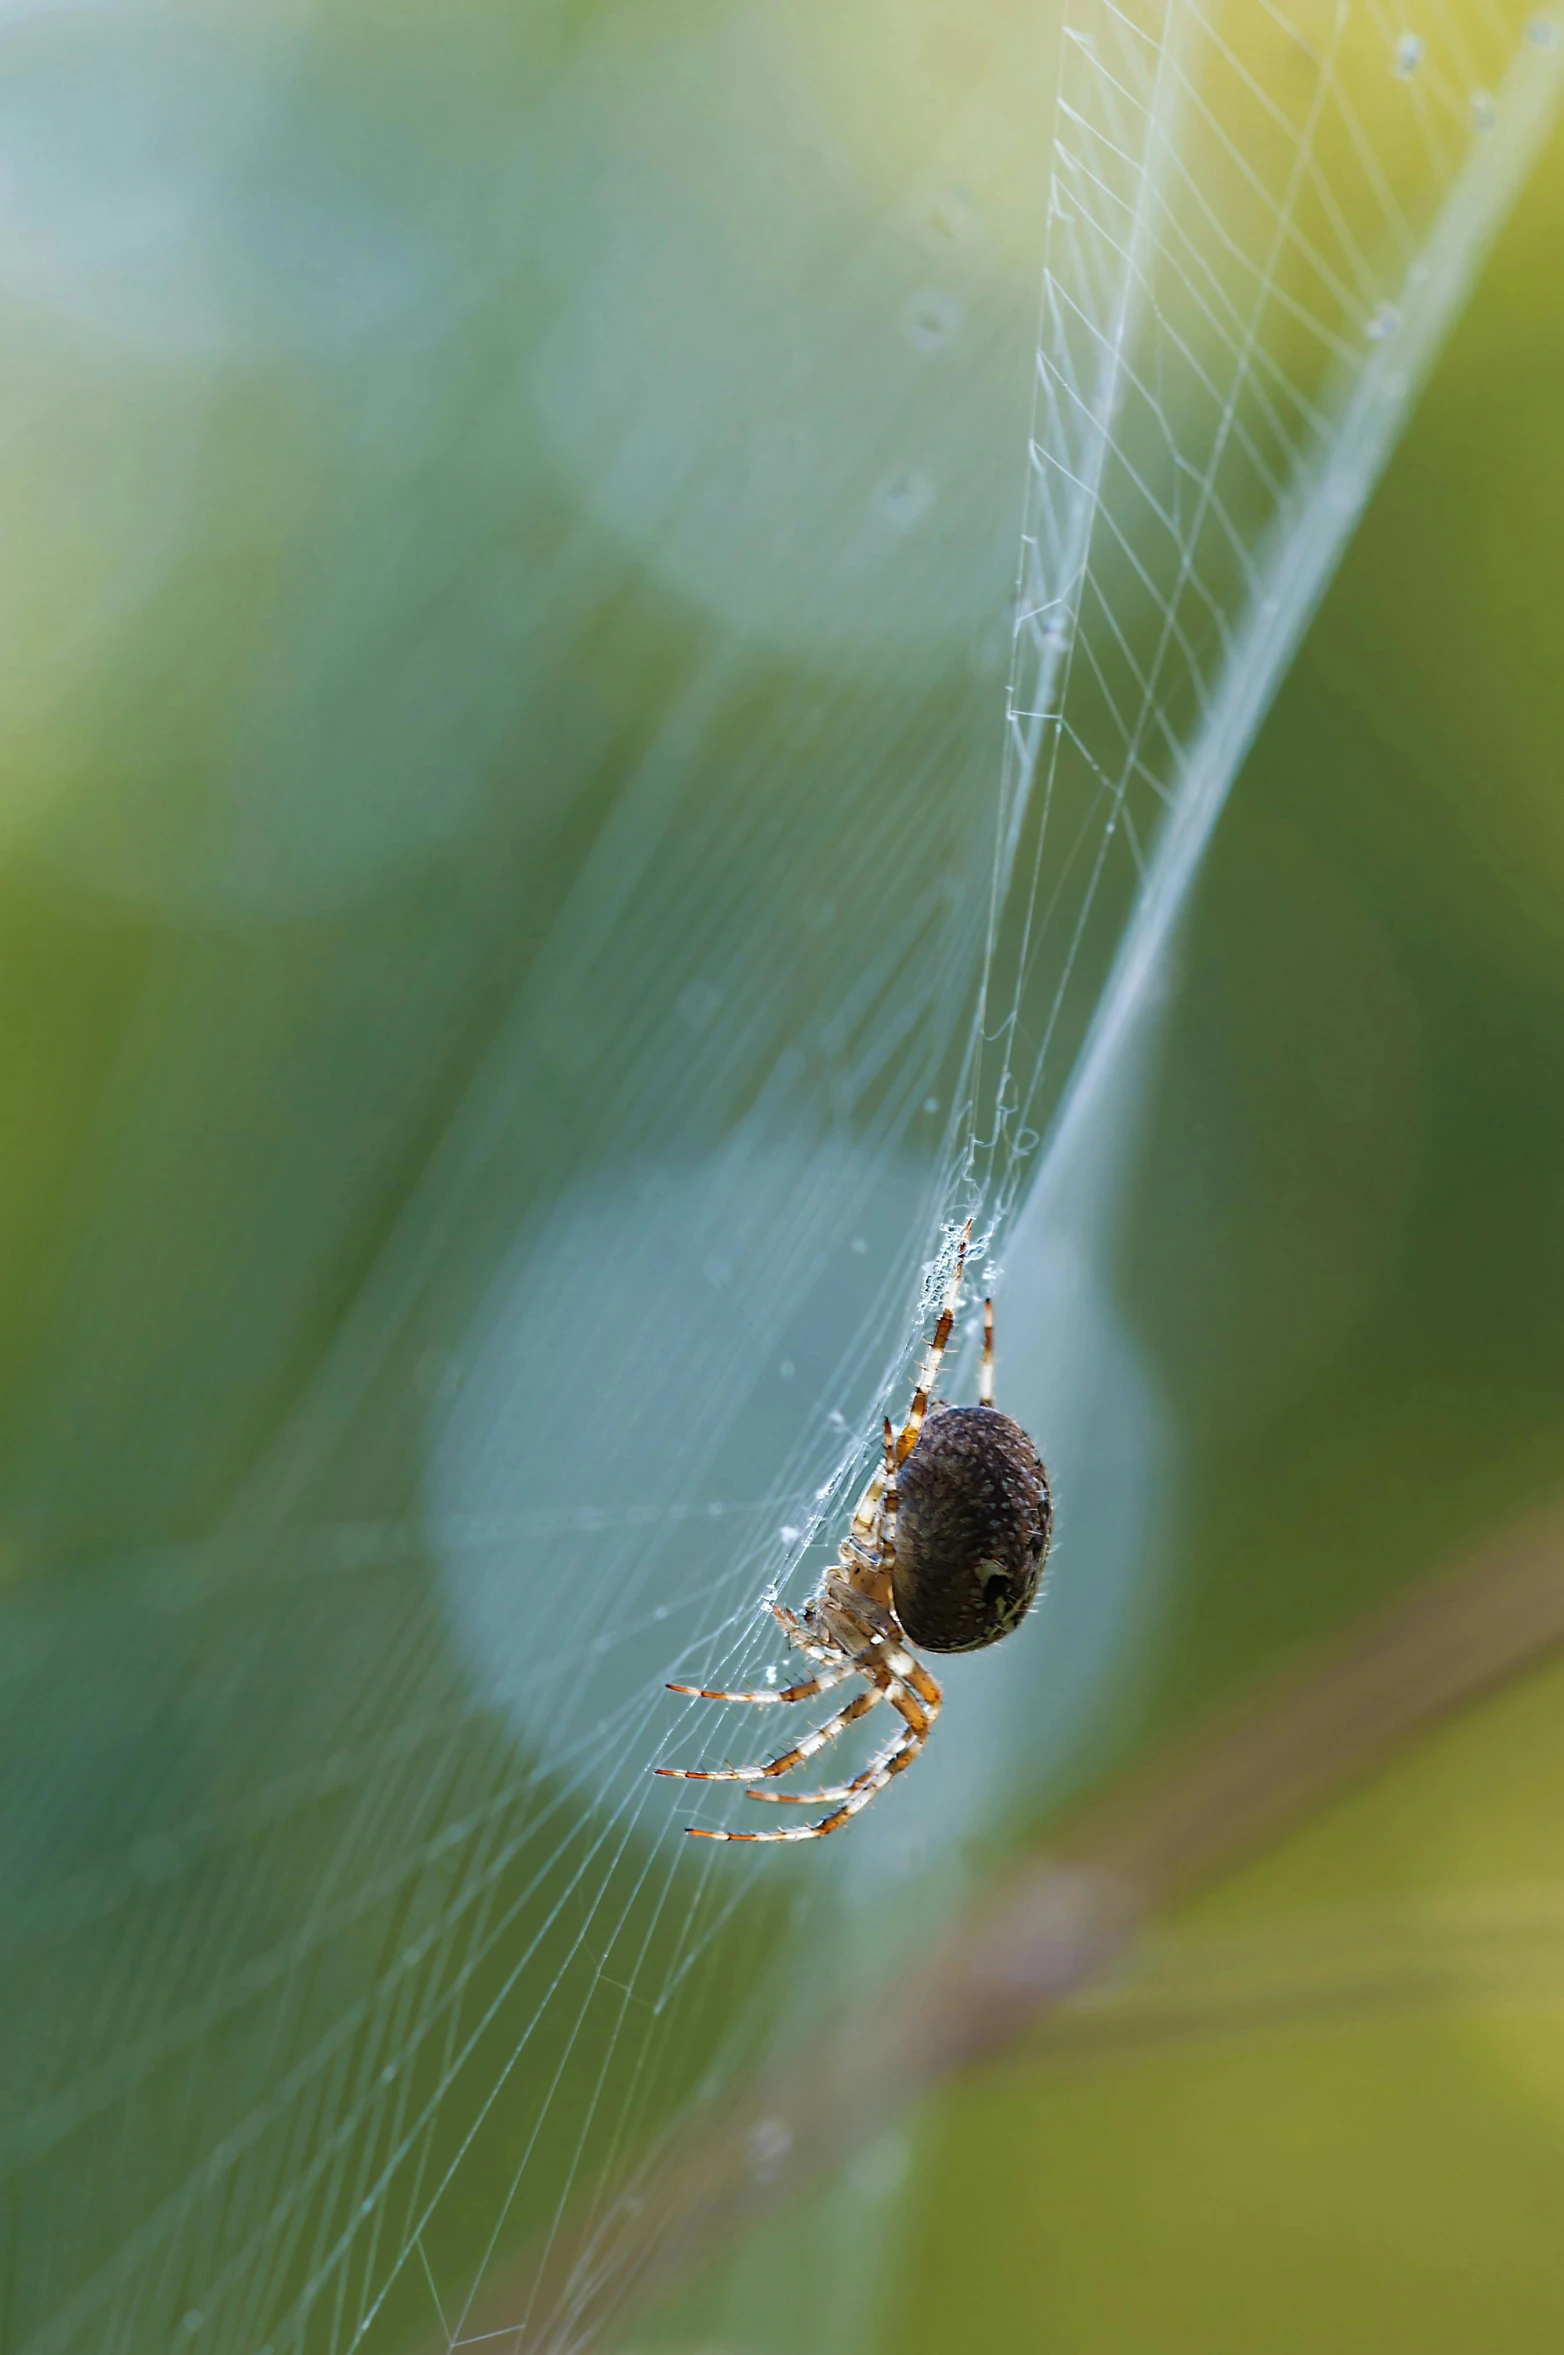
{"x": 483, "y": 911}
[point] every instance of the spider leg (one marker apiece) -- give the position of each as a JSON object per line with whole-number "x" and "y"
{"x": 862, "y": 1535}
{"x": 817, "y": 1740}
{"x": 893, "y": 1759}
{"x": 917, "y": 1703}
{"x": 986, "y": 1379}
{"x": 799, "y": 1637}
{"x": 861, "y": 1543}
{"x": 906, "y": 1669}
{"x": 935, "y": 1351}
{"x": 891, "y": 1671}
{"x": 874, "y": 1778}
{"x": 793, "y": 1692}
{"x": 890, "y": 1504}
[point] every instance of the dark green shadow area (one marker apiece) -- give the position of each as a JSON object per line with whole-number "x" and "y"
{"x": 1358, "y": 2142}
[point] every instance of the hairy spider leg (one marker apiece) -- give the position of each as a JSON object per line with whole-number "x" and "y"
{"x": 890, "y": 1503}
{"x": 986, "y": 1378}
{"x": 906, "y": 1668}
{"x": 893, "y": 1669}
{"x": 793, "y": 1692}
{"x": 896, "y": 1755}
{"x": 857, "y": 1795}
{"x": 894, "y": 1759}
{"x": 836, "y": 1723}
{"x": 935, "y": 1351}
{"x": 860, "y": 1546}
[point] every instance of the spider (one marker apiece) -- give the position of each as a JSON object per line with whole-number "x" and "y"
{"x": 945, "y": 1550}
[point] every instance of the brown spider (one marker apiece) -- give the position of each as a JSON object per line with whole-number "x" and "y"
{"x": 945, "y": 1550}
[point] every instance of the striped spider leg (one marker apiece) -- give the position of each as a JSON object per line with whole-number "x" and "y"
{"x": 860, "y": 1639}
{"x": 843, "y": 1663}
{"x": 908, "y": 1437}
{"x": 908, "y": 1686}
{"x": 860, "y": 1551}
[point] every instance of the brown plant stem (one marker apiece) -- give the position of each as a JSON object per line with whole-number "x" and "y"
{"x": 1049, "y": 1929}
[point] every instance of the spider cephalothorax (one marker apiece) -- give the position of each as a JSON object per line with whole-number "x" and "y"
{"x": 946, "y": 1550}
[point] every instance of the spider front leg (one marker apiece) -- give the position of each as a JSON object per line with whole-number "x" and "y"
{"x": 862, "y": 1540}
{"x": 934, "y": 1353}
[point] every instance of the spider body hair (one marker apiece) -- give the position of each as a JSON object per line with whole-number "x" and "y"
{"x": 973, "y": 1524}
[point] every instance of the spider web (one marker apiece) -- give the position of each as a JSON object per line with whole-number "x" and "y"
{"x": 386, "y": 1974}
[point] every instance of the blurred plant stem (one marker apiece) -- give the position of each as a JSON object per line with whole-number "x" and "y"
{"x": 1054, "y": 1927}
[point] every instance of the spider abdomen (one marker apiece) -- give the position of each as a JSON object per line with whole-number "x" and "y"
{"x": 972, "y": 1530}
